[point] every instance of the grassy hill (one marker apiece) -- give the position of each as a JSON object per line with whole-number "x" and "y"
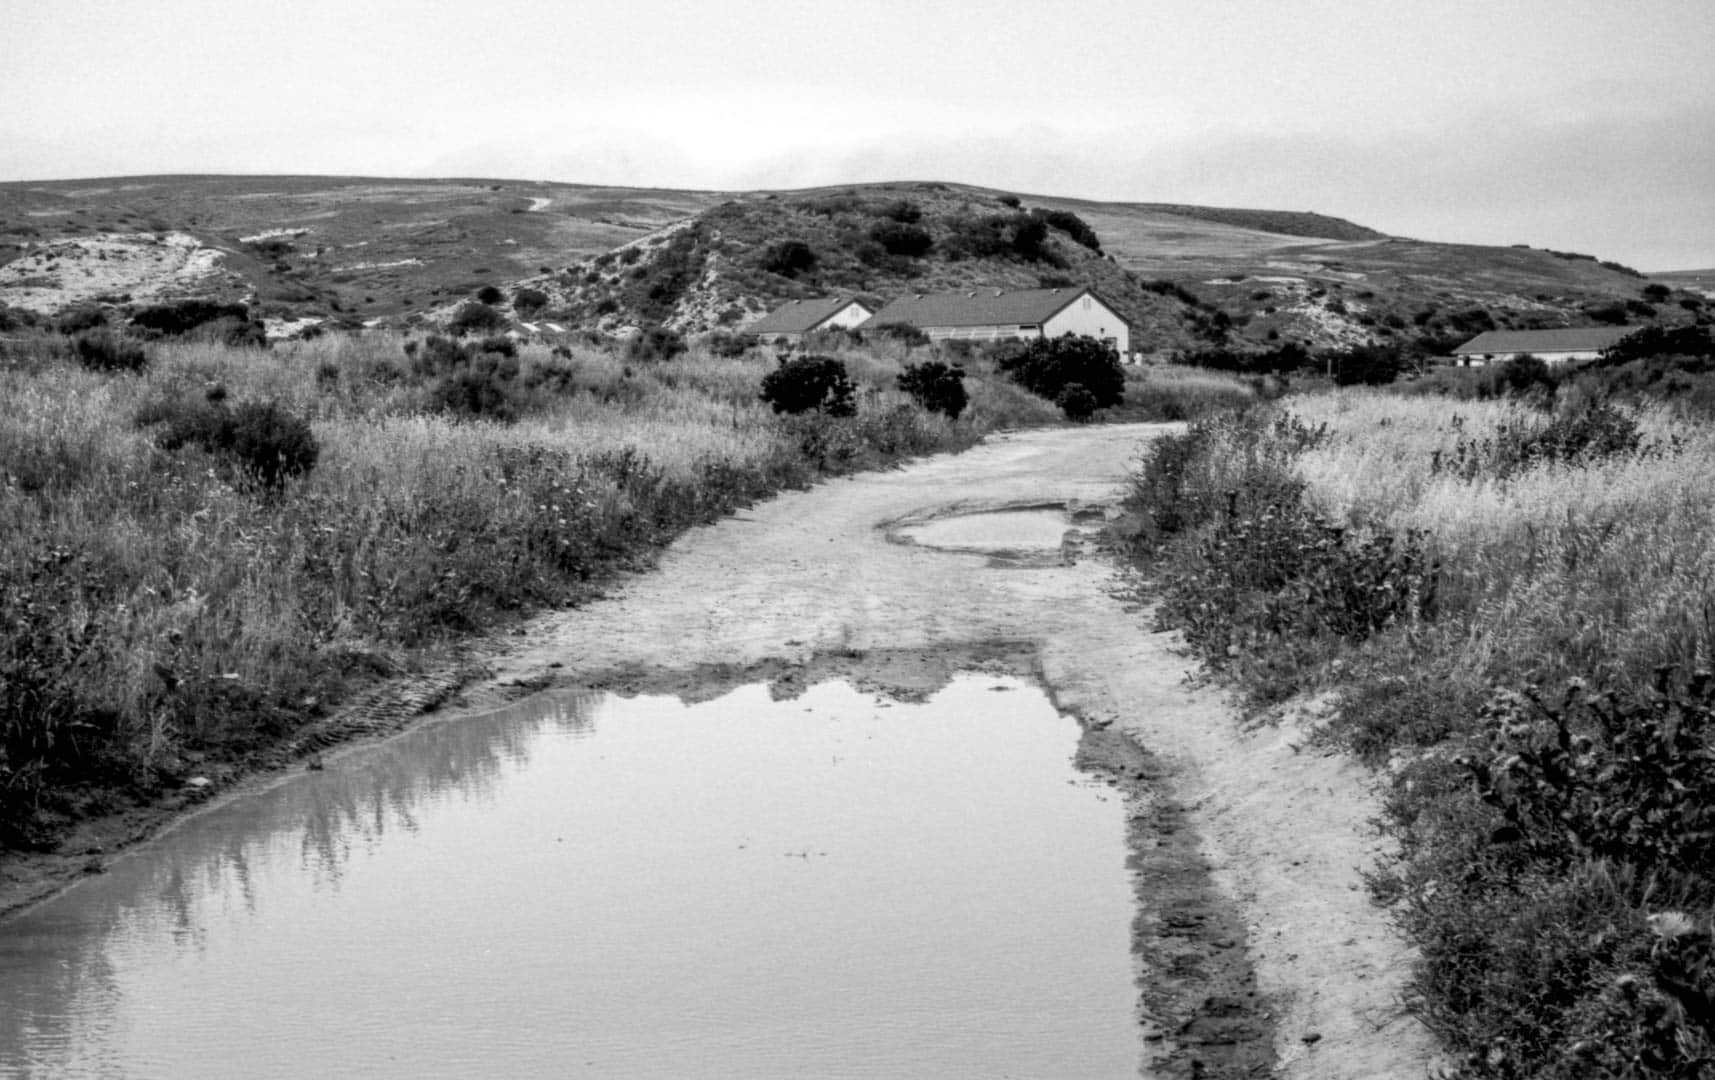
{"x": 372, "y": 251}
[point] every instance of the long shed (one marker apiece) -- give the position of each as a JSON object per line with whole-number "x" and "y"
{"x": 795, "y": 318}
{"x": 1550, "y": 346}
{"x": 993, "y": 314}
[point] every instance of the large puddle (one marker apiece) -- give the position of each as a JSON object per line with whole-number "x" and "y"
{"x": 831, "y": 886}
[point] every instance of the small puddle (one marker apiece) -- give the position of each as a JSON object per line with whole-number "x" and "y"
{"x": 834, "y": 886}
{"x": 1020, "y": 535}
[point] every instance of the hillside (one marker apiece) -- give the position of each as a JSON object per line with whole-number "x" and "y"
{"x": 367, "y": 251}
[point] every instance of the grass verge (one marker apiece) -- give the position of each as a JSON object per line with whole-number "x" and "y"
{"x": 1512, "y": 599}
{"x": 211, "y": 550}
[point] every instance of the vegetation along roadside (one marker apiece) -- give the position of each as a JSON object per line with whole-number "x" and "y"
{"x": 212, "y": 544}
{"x": 1504, "y": 581}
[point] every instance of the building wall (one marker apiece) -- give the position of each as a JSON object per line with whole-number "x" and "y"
{"x": 1092, "y": 318}
{"x": 848, "y": 316}
{"x": 1545, "y": 357}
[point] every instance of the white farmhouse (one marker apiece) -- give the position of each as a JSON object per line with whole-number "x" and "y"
{"x": 795, "y": 318}
{"x": 994, "y": 314}
{"x": 1549, "y": 346}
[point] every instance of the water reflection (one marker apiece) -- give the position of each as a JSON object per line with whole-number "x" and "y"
{"x": 816, "y": 886}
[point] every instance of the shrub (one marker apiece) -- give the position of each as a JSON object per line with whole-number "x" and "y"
{"x": 81, "y": 317}
{"x": 475, "y": 318}
{"x": 107, "y": 351}
{"x": 267, "y": 444}
{"x": 183, "y": 316}
{"x": 1072, "y": 225}
{"x": 727, "y": 345}
{"x": 899, "y": 239}
{"x": 1653, "y": 341}
{"x": 529, "y": 300}
{"x": 1613, "y": 312}
{"x": 810, "y": 382}
{"x": 788, "y": 258}
{"x": 1009, "y": 200}
{"x": 1076, "y": 401}
{"x": 904, "y": 333}
{"x": 903, "y": 211}
{"x": 488, "y": 294}
{"x": 1016, "y": 235}
{"x": 936, "y": 387}
{"x": 1047, "y": 366}
{"x": 1367, "y": 365}
{"x": 654, "y": 344}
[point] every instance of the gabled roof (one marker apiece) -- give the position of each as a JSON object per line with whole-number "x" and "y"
{"x": 801, "y": 316}
{"x": 979, "y": 307}
{"x": 1578, "y": 339}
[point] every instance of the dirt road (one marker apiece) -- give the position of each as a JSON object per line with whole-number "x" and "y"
{"x": 1256, "y": 945}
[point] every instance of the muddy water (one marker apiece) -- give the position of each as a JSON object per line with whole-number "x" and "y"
{"x": 1005, "y": 530}
{"x": 830, "y": 886}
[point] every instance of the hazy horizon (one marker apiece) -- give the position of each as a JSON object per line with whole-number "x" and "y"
{"x": 1577, "y": 126}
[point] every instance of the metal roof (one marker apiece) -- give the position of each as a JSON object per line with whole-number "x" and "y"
{"x": 980, "y": 307}
{"x": 801, "y": 316}
{"x": 1575, "y": 339}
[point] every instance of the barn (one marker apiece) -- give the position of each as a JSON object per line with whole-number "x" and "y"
{"x": 993, "y": 314}
{"x": 1549, "y": 346}
{"x": 795, "y": 318}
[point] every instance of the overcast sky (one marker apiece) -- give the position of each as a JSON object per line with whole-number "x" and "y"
{"x": 1572, "y": 124}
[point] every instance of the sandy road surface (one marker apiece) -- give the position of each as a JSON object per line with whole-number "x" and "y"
{"x": 1258, "y": 950}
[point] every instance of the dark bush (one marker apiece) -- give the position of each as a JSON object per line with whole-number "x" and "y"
{"x": 1009, "y": 200}
{"x": 1047, "y": 366}
{"x": 810, "y": 382}
{"x": 936, "y": 387}
{"x": 105, "y": 350}
{"x": 654, "y": 344}
{"x": 1613, "y": 312}
{"x": 474, "y": 318}
{"x": 788, "y": 258}
{"x": 528, "y": 300}
{"x": 728, "y": 345}
{"x": 1072, "y": 225}
{"x": 268, "y": 444}
{"x": 899, "y": 239}
{"x": 81, "y": 317}
{"x": 1653, "y": 341}
{"x": 1368, "y": 365}
{"x": 994, "y": 236}
{"x": 271, "y": 444}
{"x": 183, "y": 316}
{"x": 488, "y": 294}
{"x": 903, "y": 211}
{"x": 1076, "y": 401}
{"x": 475, "y": 393}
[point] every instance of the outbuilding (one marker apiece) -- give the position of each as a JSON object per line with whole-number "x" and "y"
{"x": 1549, "y": 346}
{"x": 795, "y": 318}
{"x": 995, "y": 314}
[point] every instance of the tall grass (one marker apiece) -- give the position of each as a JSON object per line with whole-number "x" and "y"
{"x": 1533, "y": 694}
{"x": 163, "y": 615}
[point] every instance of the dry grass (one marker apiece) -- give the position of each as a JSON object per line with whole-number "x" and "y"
{"x": 199, "y": 616}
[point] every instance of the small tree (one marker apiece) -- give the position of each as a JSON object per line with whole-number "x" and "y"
{"x": 528, "y": 300}
{"x": 936, "y": 387}
{"x": 488, "y": 294}
{"x": 810, "y": 382}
